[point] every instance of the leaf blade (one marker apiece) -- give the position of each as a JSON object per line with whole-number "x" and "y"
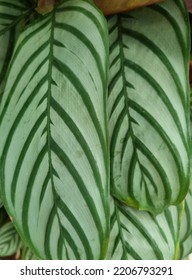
{"x": 57, "y": 151}
{"x": 149, "y": 144}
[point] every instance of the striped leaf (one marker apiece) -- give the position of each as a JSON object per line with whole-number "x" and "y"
{"x": 27, "y": 254}
{"x": 138, "y": 235}
{"x": 53, "y": 146}
{"x": 149, "y": 105}
{"x": 9, "y": 240}
{"x": 13, "y": 15}
{"x": 186, "y": 223}
{"x": 186, "y": 227}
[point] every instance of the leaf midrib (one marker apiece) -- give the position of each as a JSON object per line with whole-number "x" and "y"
{"x": 126, "y": 98}
{"x": 49, "y": 138}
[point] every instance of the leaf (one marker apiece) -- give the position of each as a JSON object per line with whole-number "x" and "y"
{"x": 149, "y": 106}
{"x": 139, "y": 235}
{"x": 9, "y": 240}
{"x": 110, "y": 7}
{"x": 54, "y": 152}
{"x": 12, "y": 14}
{"x": 186, "y": 227}
{"x": 27, "y": 254}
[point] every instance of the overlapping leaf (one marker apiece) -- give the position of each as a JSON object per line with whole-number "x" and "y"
{"x": 186, "y": 228}
{"x": 149, "y": 105}
{"x": 12, "y": 17}
{"x": 53, "y": 146}
{"x": 9, "y": 240}
{"x": 139, "y": 235}
{"x": 27, "y": 254}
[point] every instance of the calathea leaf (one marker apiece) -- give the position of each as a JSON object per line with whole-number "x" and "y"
{"x": 149, "y": 106}
{"x": 139, "y": 235}
{"x": 9, "y": 240}
{"x": 27, "y": 254}
{"x": 54, "y": 154}
{"x": 13, "y": 15}
{"x": 186, "y": 226}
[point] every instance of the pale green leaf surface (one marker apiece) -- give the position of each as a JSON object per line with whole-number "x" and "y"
{"x": 9, "y": 240}
{"x": 54, "y": 164}
{"x": 138, "y": 235}
{"x": 149, "y": 106}
{"x": 186, "y": 225}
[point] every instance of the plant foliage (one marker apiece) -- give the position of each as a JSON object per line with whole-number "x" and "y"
{"x": 95, "y": 144}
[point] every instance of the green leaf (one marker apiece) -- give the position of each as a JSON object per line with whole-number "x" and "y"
{"x": 27, "y": 254}
{"x": 9, "y": 240}
{"x": 139, "y": 235}
{"x": 186, "y": 226}
{"x": 13, "y": 15}
{"x": 149, "y": 106}
{"x": 53, "y": 146}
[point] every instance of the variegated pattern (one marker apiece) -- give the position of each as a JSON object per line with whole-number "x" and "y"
{"x": 53, "y": 146}
{"x": 138, "y": 235}
{"x": 9, "y": 240}
{"x": 149, "y": 106}
{"x": 27, "y": 254}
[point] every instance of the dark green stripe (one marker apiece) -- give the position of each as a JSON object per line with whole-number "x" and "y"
{"x": 48, "y": 232}
{"x": 150, "y": 178}
{"x": 77, "y": 227}
{"x": 172, "y": 224}
{"x": 44, "y": 189}
{"x": 131, "y": 251}
{"x": 146, "y": 152}
{"x": 124, "y": 145}
{"x": 60, "y": 247}
{"x": 132, "y": 191}
{"x": 114, "y": 80}
{"x": 70, "y": 243}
